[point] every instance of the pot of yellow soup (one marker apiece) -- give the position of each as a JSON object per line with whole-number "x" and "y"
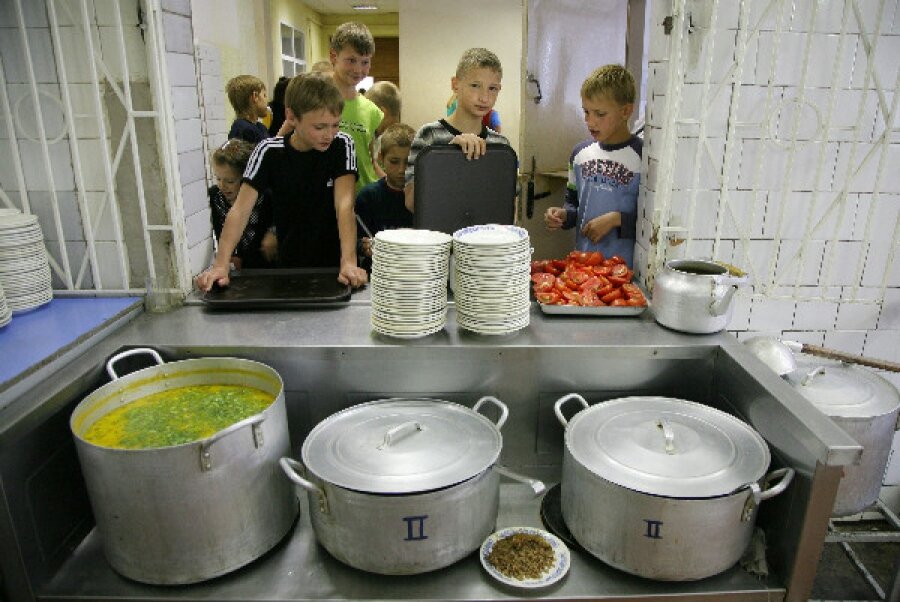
{"x": 181, "y": 466}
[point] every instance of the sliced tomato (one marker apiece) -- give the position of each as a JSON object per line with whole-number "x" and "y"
{"x": 601, "y": 270}
{"x": 594, "y": 258}
{"x": 631, "y": 290}
{"x": 578, "y": 277}
{"x": 547, "y": 298}
{"x": 543, "y": 286}
{"x": 637, "y": 301}
{"x": 590, "y": 299}
{"x": 604, "y": 290}
{"x": 592, "y": 284}
{"x": 577, "y": 257}
{"x": 539, "y": 265}
{"x": 612, "y": 296}
{"x": 616, "y": 259}
{"x": 572, "y": 297}
{"x": 620, "y": 274}
{"x": 559, "y": 264}
{"x": 619, "y": 303}
{"x": 541, "y": 277}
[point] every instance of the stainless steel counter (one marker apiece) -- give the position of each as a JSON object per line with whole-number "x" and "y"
{"x": 330, "y": 359}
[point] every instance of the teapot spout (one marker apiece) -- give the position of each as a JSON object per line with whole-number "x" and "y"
{"x": 719, "y": 306}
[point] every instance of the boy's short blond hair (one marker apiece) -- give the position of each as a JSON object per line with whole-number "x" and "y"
{"x": 322, "y": 67}
{"x": 240, "y": 91}
{"x": 355, "y": 35}
{"x": 396, "y": 135}
{"x": 312, "y": 91}
{"x": 478, "y": 58}
{"x": 613, "y": 81}
{"x": 234, "y": 153}
{"x": 386, "y": 95}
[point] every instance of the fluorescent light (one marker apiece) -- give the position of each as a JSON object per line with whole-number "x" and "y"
{"x": 365, "y": 7}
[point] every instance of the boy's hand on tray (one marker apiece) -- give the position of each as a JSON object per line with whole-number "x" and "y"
{"x": 212, "y": 275}
{"x": 352, "y": 274}
{"x": 472, "y": 145}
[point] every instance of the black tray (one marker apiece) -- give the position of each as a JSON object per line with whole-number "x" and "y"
{"x": 452, "y": 192}
{"x": 288, "y": 288}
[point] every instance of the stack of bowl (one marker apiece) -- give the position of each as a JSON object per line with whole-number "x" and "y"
{"x": 409, "y": 282}
{"x": 24, "y": 268}
{"x": 492, "y": 277}
{"x": 5, "y": 312}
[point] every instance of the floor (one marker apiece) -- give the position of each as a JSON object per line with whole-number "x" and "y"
{"x": 839, "y": 579}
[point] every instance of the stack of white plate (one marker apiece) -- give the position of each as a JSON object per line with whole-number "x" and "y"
{"x": 409, "y": 282}
{"x": 5, "y": 312}
{"x": 492, "y": 278}
{"x": 24, "y": 270}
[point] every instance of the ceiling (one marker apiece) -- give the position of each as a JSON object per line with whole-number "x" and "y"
{"x": 344, "y": 7}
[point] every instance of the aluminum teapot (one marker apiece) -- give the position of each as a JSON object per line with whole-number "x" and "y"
{"x": 695, "y": 295}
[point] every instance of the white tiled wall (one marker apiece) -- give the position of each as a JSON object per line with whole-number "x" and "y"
{"x": 836, "y": 246}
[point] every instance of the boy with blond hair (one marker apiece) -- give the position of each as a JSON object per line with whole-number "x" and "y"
{"x": 352, "y": 47}
{"x": 605, "y": 171}
{"x": 247, "y": 95}
{"x": 476, "y": 86}
{"x": 381, "y": 205}
{"x": 311, "y": 171}
{"x": 386, "y": 96}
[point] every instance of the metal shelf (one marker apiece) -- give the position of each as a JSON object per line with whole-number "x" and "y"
{"x": 862, "y": 537}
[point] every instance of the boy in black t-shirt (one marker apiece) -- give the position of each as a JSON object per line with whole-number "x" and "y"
{"x": 312, "y": 174}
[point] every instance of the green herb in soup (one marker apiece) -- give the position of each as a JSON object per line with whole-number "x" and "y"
{"x": 177, "y": 416}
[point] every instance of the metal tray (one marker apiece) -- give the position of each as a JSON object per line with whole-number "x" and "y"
{"x": 279, "y": 288}
{"x": 577, "y": 310}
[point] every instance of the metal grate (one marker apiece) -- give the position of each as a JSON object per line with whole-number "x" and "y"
{"x": 89, "y": 99}
{"x": 759, "y": 163}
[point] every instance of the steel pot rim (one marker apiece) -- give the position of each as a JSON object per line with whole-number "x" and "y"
{"x": 145, "y": 376}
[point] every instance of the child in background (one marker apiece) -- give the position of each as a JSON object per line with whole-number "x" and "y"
{"x": 604, "y": 172}
{"x": 476, "y": 86}
{"x": 311, "y": 171}
{"x": 380, "y": 205}
{"x": 276, "y": 106}
{"x": 247, "y": 95}
{"x": 322, "y": 67}
{"x": 257, "y": 246}
{"x": 386, "y": 96}
{"x": 352, "y": 47}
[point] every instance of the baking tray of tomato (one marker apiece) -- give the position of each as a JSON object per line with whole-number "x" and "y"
{"x": 610, "y": 311}
{"x": 587, "y": 284}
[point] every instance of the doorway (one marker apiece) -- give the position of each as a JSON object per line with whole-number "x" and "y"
{"x": 565, "y": 41}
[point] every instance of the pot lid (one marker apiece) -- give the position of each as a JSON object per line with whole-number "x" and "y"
{"x": 402, "y": 446}
{"x": 841, "y": 390}
{"x": 667, "y": 447}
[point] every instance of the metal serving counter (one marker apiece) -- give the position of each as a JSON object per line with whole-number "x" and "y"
{"x": 330, "y": 359}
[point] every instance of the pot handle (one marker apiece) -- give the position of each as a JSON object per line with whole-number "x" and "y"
{"x": 557, "y": 407}
{"x": 400, "y": 431}
{"x": 253, "y": 421}
{"x": 758, "y": 494}
{"x": 129, "y": 353}
{"x": 537, "y": 486}
{"x": 504, "y": 411}
{"x": 291, "y": 468}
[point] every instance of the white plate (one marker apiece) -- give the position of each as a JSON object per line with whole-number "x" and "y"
{"x": 404, "y": 236}
{"x": 490, "y": 234}
{"x": 558, "y": 570}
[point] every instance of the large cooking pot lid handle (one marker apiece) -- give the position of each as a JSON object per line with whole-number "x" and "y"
{"x": 401, "y": 431}
{"x": 557, "y": 407}
{"x": 504, "y": 411}
{"x": 129, "y": 353}
{"x": 291, "y": 468}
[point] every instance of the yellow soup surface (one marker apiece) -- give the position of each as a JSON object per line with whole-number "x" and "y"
{"x": 177, "y": 416}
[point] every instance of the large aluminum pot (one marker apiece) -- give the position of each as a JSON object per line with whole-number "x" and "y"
{"x": 402, "y": 486}
{"x": 663, "y": 488}
{"x": 186, "y": 513}
{"x": 866, "y": 407}
{"x": 694, "y": 295}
